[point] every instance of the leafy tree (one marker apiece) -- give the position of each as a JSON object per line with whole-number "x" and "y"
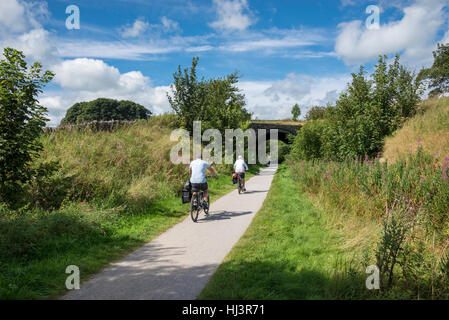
{"x": 308, "y": 143}
{"x": 22, "y": 119}
{"x": 105, "y": 109}
{"x": 438, "y": 74}
{"x": 296, "y": 112}
{"x": 316, "y": 113}
{"x": 218, "y": 103}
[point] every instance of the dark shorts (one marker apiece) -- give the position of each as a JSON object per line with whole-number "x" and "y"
{"x": 199, "y": 187}
{"x": 241, "y": 174}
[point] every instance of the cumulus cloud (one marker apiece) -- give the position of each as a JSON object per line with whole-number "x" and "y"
{"x": 233, "y": 15}
{"x": 20, "y": 28}
{"x": 414, "y": 35}
{"x": 87, "y": 79}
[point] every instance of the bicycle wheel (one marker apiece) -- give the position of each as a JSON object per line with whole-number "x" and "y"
{"x": 195, "y": 209}
{"x": 206, "y": 210}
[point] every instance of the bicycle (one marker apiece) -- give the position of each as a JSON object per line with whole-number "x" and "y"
{"x": 240, "y": 185}
{"x": 196, "y": 205}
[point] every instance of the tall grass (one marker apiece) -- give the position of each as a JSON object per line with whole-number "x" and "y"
{"x": 429, "y": 129}
{"x": 414, "y": 189}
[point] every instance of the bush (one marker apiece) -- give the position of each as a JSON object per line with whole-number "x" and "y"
{"x": 308, "y": 143}
{"x": 370, "y": 110}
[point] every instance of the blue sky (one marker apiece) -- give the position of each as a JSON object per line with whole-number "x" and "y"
{"x": 286, "y": 51}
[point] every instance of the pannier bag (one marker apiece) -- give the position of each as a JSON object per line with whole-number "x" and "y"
{"x": 187, "y": 192}
{"x": 234, "y": 178}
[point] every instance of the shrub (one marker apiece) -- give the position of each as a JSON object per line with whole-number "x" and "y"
{"x": 308, "y": 143}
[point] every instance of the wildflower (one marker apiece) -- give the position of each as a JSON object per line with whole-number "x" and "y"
{"x": 419, "y": 142}
{"x": 328, "y": 175}
{"x": 37, "y": 202}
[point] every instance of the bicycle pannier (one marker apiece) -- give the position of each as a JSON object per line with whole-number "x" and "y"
{"x": 187, "y": 192}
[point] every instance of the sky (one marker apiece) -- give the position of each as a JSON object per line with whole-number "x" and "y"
{"x": 287, "y": 52}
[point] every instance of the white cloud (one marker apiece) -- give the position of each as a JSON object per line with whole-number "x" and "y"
{"x": 274, "y": 99}
{"x": 86, "y": 74}
{"x": 233, "y": 15}
{"x": 139, "y": 26}
{"x": 414, "y": 34}
{"x": 20, "y": 29}
{"x": 88, "y": 79}
{"x": 13, "y": 16}
{"x": 169, "y": 25}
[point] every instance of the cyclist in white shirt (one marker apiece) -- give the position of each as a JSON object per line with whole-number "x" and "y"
{"x": 240, "y": 167}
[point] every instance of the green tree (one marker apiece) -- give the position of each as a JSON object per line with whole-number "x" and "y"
{"x": 438, "y": 74}
{"x": 22, "y": 119}
{"x": 308, "y": 143}
{"x": 316, "y": 113}
{"x": 296, "y": 112}
{"x": 218, "y": 103}
{"x": 105, "y": 109}
{"x": 371, "y": 109}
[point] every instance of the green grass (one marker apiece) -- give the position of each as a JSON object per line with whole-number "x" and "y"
{"x": 288, "y": 252}
{"x": 33, "y": 262}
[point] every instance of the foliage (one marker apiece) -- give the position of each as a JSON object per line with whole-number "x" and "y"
{"x": 215, "y": 102}
{"x": 308, "y": 143}
{"x": 411, "y": 196}
{"x": 370, "y": 110}
{"x": 21, "y": 120}
{"x": 316, "y": 113}
{"x": 438, "y": 74}
{"x": 296, "y": 112}
{"x": 104, "y": 109}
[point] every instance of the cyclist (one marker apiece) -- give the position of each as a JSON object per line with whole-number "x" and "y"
{"x": 239, "y": 167}
{"x": 197, "y": 173}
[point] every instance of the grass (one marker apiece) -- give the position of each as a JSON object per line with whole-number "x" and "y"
{"x": 113, "y": 192}
{"x": 34, "y": 261}
{"x": 288, "y": 252}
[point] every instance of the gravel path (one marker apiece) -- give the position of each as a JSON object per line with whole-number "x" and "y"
{"x": 179, "y": 263}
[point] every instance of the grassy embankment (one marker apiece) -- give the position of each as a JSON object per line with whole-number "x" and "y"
{"x": 120, "y": 190}
{"x": 366, "y": 212}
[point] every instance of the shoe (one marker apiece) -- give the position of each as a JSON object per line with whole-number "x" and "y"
{"x": 244, "y": 189}
{"x": 205, "y": 205}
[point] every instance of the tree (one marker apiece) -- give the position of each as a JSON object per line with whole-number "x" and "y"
{"x": 371, "y": 109}
{"x": 316, "y": 113}
{"x": 218, "y": 103}
{"x": 308, "y": 143}
{"x": 105, "y": 109}
{"x": 296, "y": 112}
{"x": 438, "y": 74}
{"x": 22, "y": 119}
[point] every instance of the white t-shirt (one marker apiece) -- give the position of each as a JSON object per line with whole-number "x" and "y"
{"x": 240, "y": 166}
{"x": 198, "y": 167}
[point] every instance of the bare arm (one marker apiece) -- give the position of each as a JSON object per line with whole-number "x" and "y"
{"x": 214, "y": 174}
